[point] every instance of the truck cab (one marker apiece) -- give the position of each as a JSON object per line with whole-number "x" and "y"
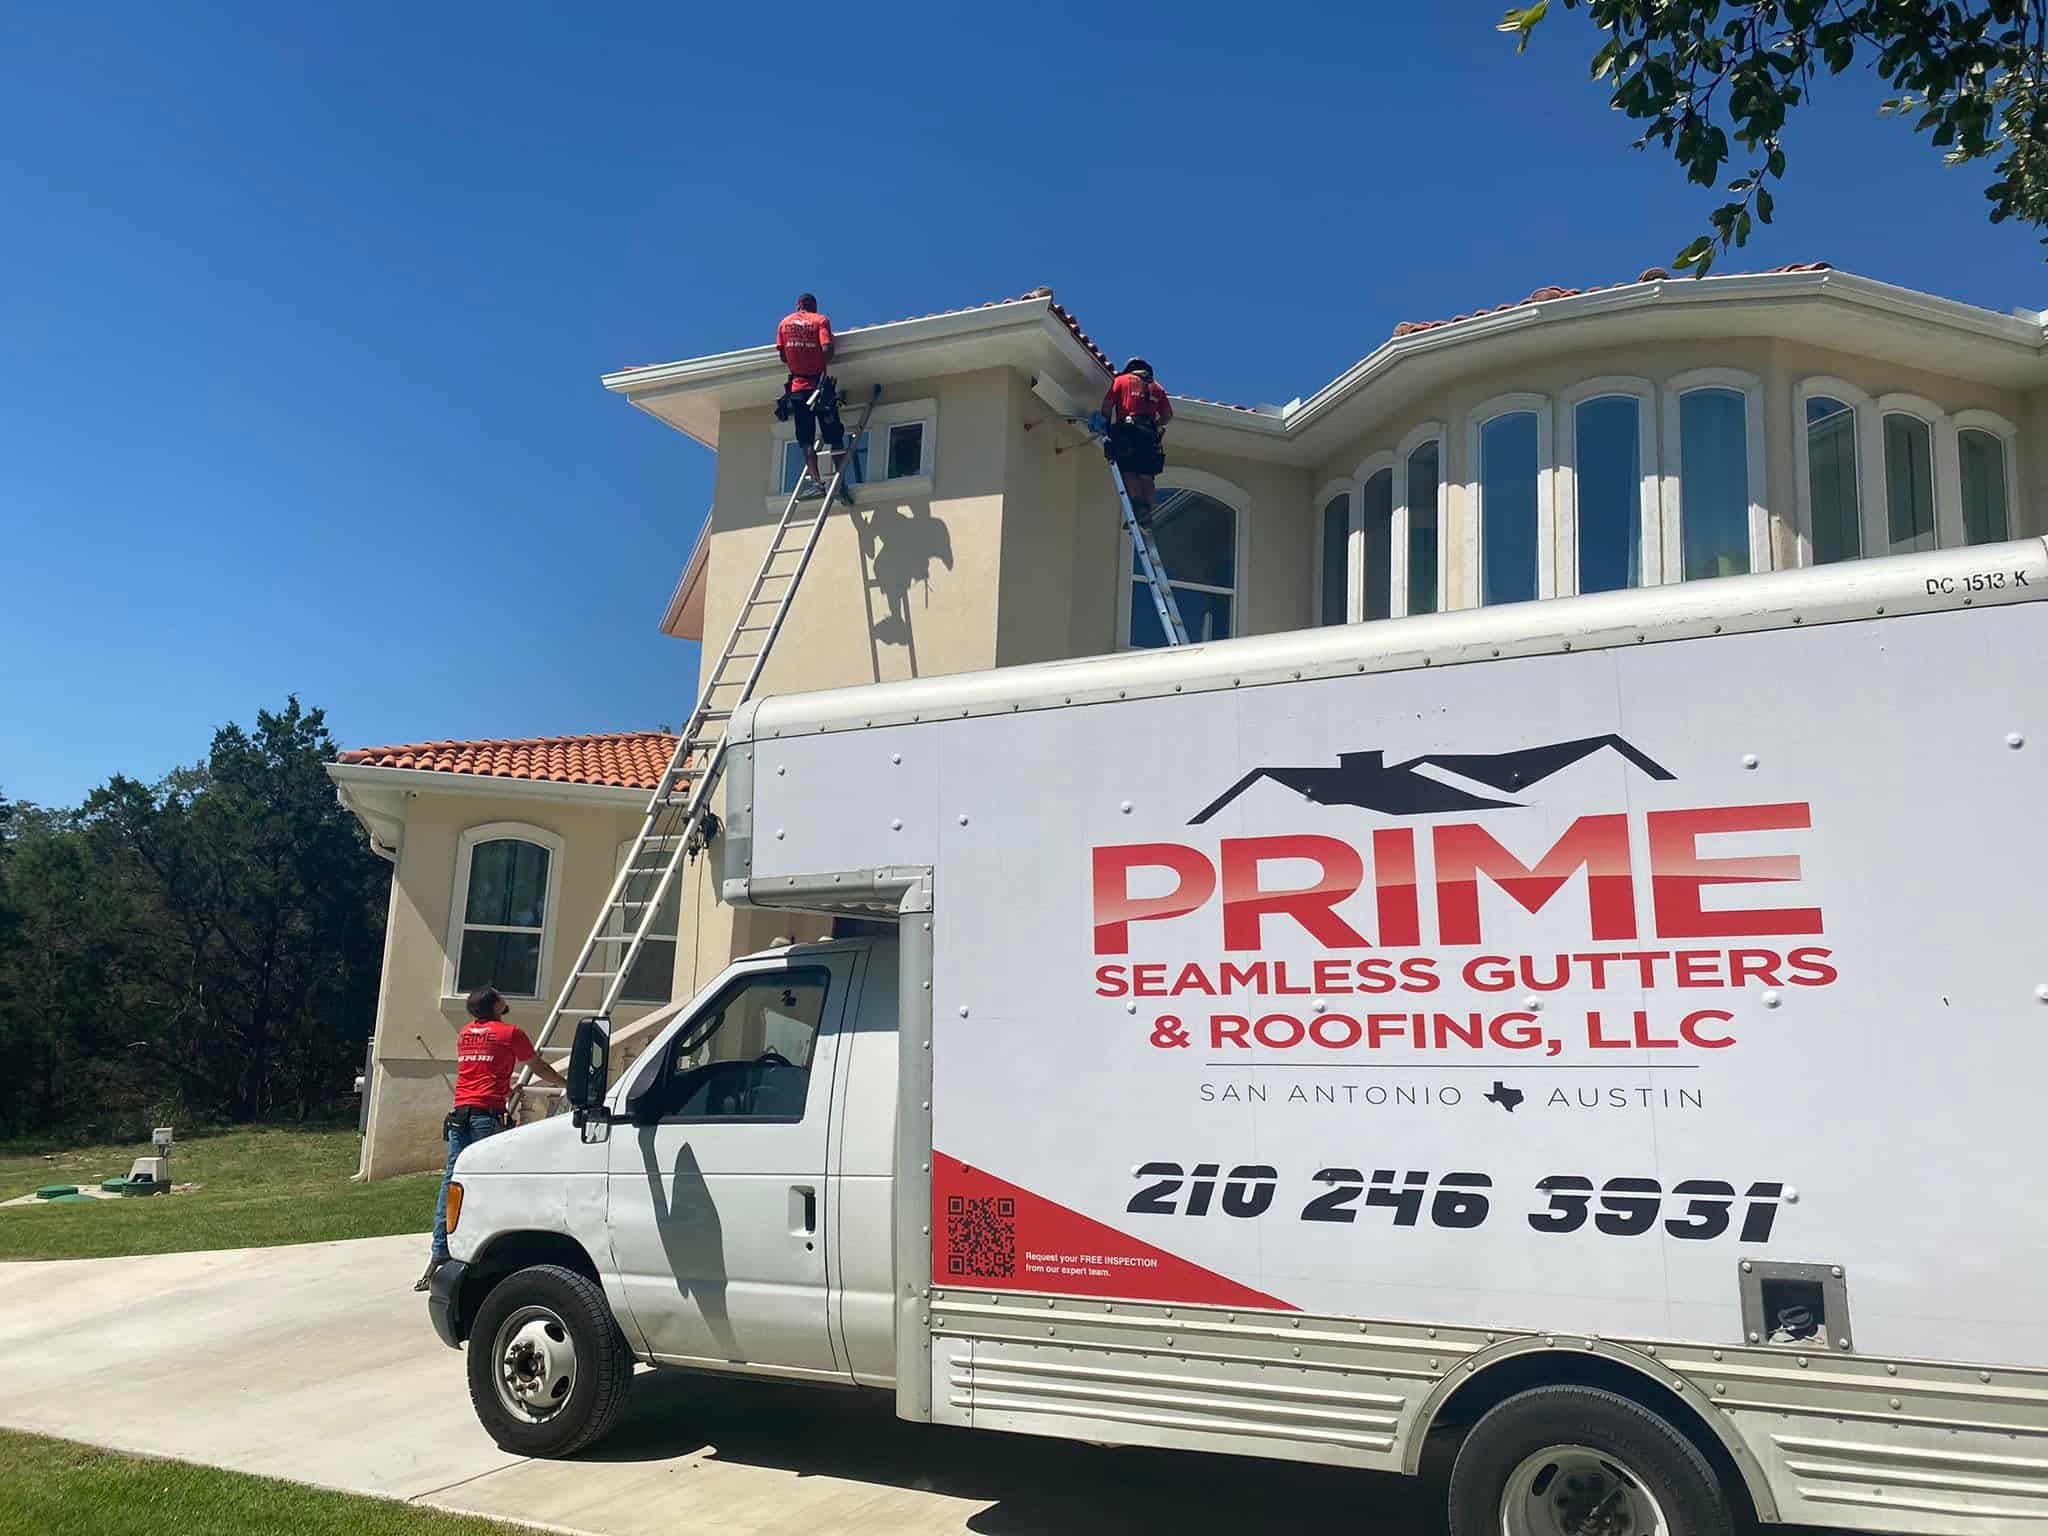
{"x": 729, "y": 1206}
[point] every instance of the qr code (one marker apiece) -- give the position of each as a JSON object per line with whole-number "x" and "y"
{"x": 981, "y": 1237}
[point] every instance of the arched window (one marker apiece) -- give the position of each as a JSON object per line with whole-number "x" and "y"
{"x": 1376, "y": 517}
{"x": 652, "y": 978}
{"x": 1985, "y": 448}
{"x": 1195, "y": 522}
{"x": 1909, "y": 428}
{"x": 1714, "y": 475}
{"x": 1333, "y": 556}
{"x": 1607, "y": 492}
{"x": 506, "y": 878}
{"x": 1837, "y": 454}
{"x": 1510, "y": 442}
{"x": 1418, "y": 521}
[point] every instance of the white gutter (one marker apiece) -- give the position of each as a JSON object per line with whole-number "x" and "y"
{"x": 367, "y": 776}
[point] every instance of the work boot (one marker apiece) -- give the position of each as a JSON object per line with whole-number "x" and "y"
{"x": 426, "y": 1281}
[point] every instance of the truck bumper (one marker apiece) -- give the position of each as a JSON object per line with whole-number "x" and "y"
{"x": 441, "y": 1297}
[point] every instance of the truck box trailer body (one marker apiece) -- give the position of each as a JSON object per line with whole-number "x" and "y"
{"x": 1611, "y": 1023}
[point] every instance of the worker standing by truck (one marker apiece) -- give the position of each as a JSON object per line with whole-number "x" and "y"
{"x": 486, "y": 1054}
{"x": 810, "y": 396}
{"x": 1136, "y": 411}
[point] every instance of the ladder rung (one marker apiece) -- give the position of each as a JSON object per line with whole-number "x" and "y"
{"x": 595, "y": 975}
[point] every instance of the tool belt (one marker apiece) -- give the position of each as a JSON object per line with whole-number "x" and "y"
{"x": 459, "y": 1117}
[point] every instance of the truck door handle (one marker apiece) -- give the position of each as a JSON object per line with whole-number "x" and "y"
{"x": 803, "y": 1204}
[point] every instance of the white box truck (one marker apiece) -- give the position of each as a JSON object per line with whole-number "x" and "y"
{"x": 1613, "y": 1026}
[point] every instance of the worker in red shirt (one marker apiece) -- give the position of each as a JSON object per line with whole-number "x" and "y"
{"x": 810, "y": 396}
{"x": 1136, "y": 411}
{"x": 486, "y": 1052}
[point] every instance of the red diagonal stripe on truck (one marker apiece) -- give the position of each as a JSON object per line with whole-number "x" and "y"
{"x": 990, "y": 1234}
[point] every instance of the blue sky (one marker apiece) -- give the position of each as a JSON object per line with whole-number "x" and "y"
{"x": 302, "y": 315}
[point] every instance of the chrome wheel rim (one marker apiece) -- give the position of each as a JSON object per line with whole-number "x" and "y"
{"x": 536, "y": 1364}
{"x": 1572, "y": 1490}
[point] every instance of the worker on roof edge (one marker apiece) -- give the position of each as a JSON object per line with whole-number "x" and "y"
{"x": 810, "y": 396}
{"x": 1136, "y": 410}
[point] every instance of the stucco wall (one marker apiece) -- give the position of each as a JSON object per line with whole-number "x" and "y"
{"x": 417, "y": 1017}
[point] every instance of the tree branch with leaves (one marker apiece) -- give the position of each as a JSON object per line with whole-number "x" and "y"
{"x": 1707, "y": 76}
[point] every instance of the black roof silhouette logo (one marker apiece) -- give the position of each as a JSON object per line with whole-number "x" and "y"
{"x": 1367, "y": 780}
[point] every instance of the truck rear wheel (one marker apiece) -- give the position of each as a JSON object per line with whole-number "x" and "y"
{"x": 547, "y": 1366}
{"x": 1576, "y": 1461}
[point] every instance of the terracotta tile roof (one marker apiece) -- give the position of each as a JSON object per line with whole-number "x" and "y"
{"x": 1545, "y": 295}
{"x": 623, "y": 759}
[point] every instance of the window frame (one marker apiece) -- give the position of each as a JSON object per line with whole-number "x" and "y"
{"x": 1417, "y": 436}
{"x": 1371, "y": 465}
{"x": 1514, "y": 403}
{"x": 2008, "y": 435}
{"x": 458, "y": 905}
{"x": 662, "y": 1055}
{"x": 1751, "y": 388}
{"x": 902, "y": 413}
{"x": 616, "y": 928}
{"x": 1354, "y": 530}
{"x": 1233, "y": 496}
{"x": 1870, "y": 520}
{"x": 1649, "y": 489}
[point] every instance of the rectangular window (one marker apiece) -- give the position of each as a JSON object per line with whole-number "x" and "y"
{"x": 1909, "y": 482}
{"x": 1831, "y": 480}
{"x": 652, "y": 976}
{"x": 906, "y": 450}
{"x": 1713, "y": 482}
{"x": 503, "y": 918}
{"x": 1508, "y": 477}
{"x": 1608, "y": 477}
{"x": 1424, "y": 468}
{"x": 1379, "y": 545}
{"x": 1336, "y": 547}
{"x": 747, "y": 1056}
{"x": 1984, "y": 511}
{"x": 793, "y": 463}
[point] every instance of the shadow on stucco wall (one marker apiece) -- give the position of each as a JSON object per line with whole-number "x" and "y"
{"x": 898, "y": 545}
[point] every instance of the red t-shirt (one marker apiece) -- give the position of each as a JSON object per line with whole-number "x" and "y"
{"x": 485, "y": 1054}
{"x": 803, "y": 340}
{"x": 1130, "y": 395}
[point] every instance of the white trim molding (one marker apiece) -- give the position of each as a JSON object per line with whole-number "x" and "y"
{"x": 458, "y": 904}
{"x": 898, "y": 413}
{"x": 1417, "y": 437}
{"x": 1233, "y": 496}
{"x": 2008, "y": 436}
{"x": 1751, "y": 388}
{"x": 1649, "y": 491}
{"x": 1348, "y": 489}
{"x": 1870, "y": 514}
{"x": 1946, "y": 465}
{"x": 1515, "y": 403}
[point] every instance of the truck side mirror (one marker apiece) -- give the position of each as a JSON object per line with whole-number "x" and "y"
{"x": 590, "y": 1064}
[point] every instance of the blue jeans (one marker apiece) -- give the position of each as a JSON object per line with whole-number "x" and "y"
{"x": 471, "y": 1128}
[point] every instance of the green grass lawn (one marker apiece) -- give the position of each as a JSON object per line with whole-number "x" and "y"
{"x": 55, "y": 1488}
{"x": 261, "y": 1188}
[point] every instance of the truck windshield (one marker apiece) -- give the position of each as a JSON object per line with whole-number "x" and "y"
{"x": 748, "y": 1055}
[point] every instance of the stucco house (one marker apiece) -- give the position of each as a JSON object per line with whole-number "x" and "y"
{"x": 1659, "y": 430}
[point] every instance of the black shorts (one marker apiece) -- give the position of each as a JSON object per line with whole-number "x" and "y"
{"x": 819, "y": 422}
{"x": 1134, "y": 445}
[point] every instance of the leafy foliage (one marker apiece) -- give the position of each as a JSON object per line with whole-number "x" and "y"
{"x": 209, "y": 944}
{"x": 1972, "y": 74}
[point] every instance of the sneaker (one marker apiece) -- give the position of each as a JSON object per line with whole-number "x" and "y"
{"x": 1142, "y": 515}
{"x": 426, "y": 1281}
{"x": 809, "y": 490}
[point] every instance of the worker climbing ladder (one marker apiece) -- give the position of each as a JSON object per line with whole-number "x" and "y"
{"x": 679, "y": 821}
{"x": 1151, "y": 568}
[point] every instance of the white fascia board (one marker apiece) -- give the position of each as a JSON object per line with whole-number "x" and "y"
{"x": 1848, "y": 591}
{"x": 359, "y": 777}
{"x": 684, "y": 617}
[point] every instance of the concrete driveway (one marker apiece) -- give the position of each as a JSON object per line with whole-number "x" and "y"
{"x": 317, "y": 1363}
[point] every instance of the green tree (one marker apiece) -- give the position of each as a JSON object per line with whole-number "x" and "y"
{"x": 1972, "y": 74}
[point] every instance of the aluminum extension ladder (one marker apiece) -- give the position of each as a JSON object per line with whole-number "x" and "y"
{"x": 679, "y": 822}
{"x": 1150, "y": 566}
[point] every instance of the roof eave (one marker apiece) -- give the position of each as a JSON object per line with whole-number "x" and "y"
{"x": 368, "y": 776}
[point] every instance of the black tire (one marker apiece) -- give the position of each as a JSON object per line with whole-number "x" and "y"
{"x": 1667, "y": 1464}
{"x": 560, "y": 1301}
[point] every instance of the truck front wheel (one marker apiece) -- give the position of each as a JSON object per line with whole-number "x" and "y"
{"x": 1576, "y": 1461}
{"x": 547, "y": 1366}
